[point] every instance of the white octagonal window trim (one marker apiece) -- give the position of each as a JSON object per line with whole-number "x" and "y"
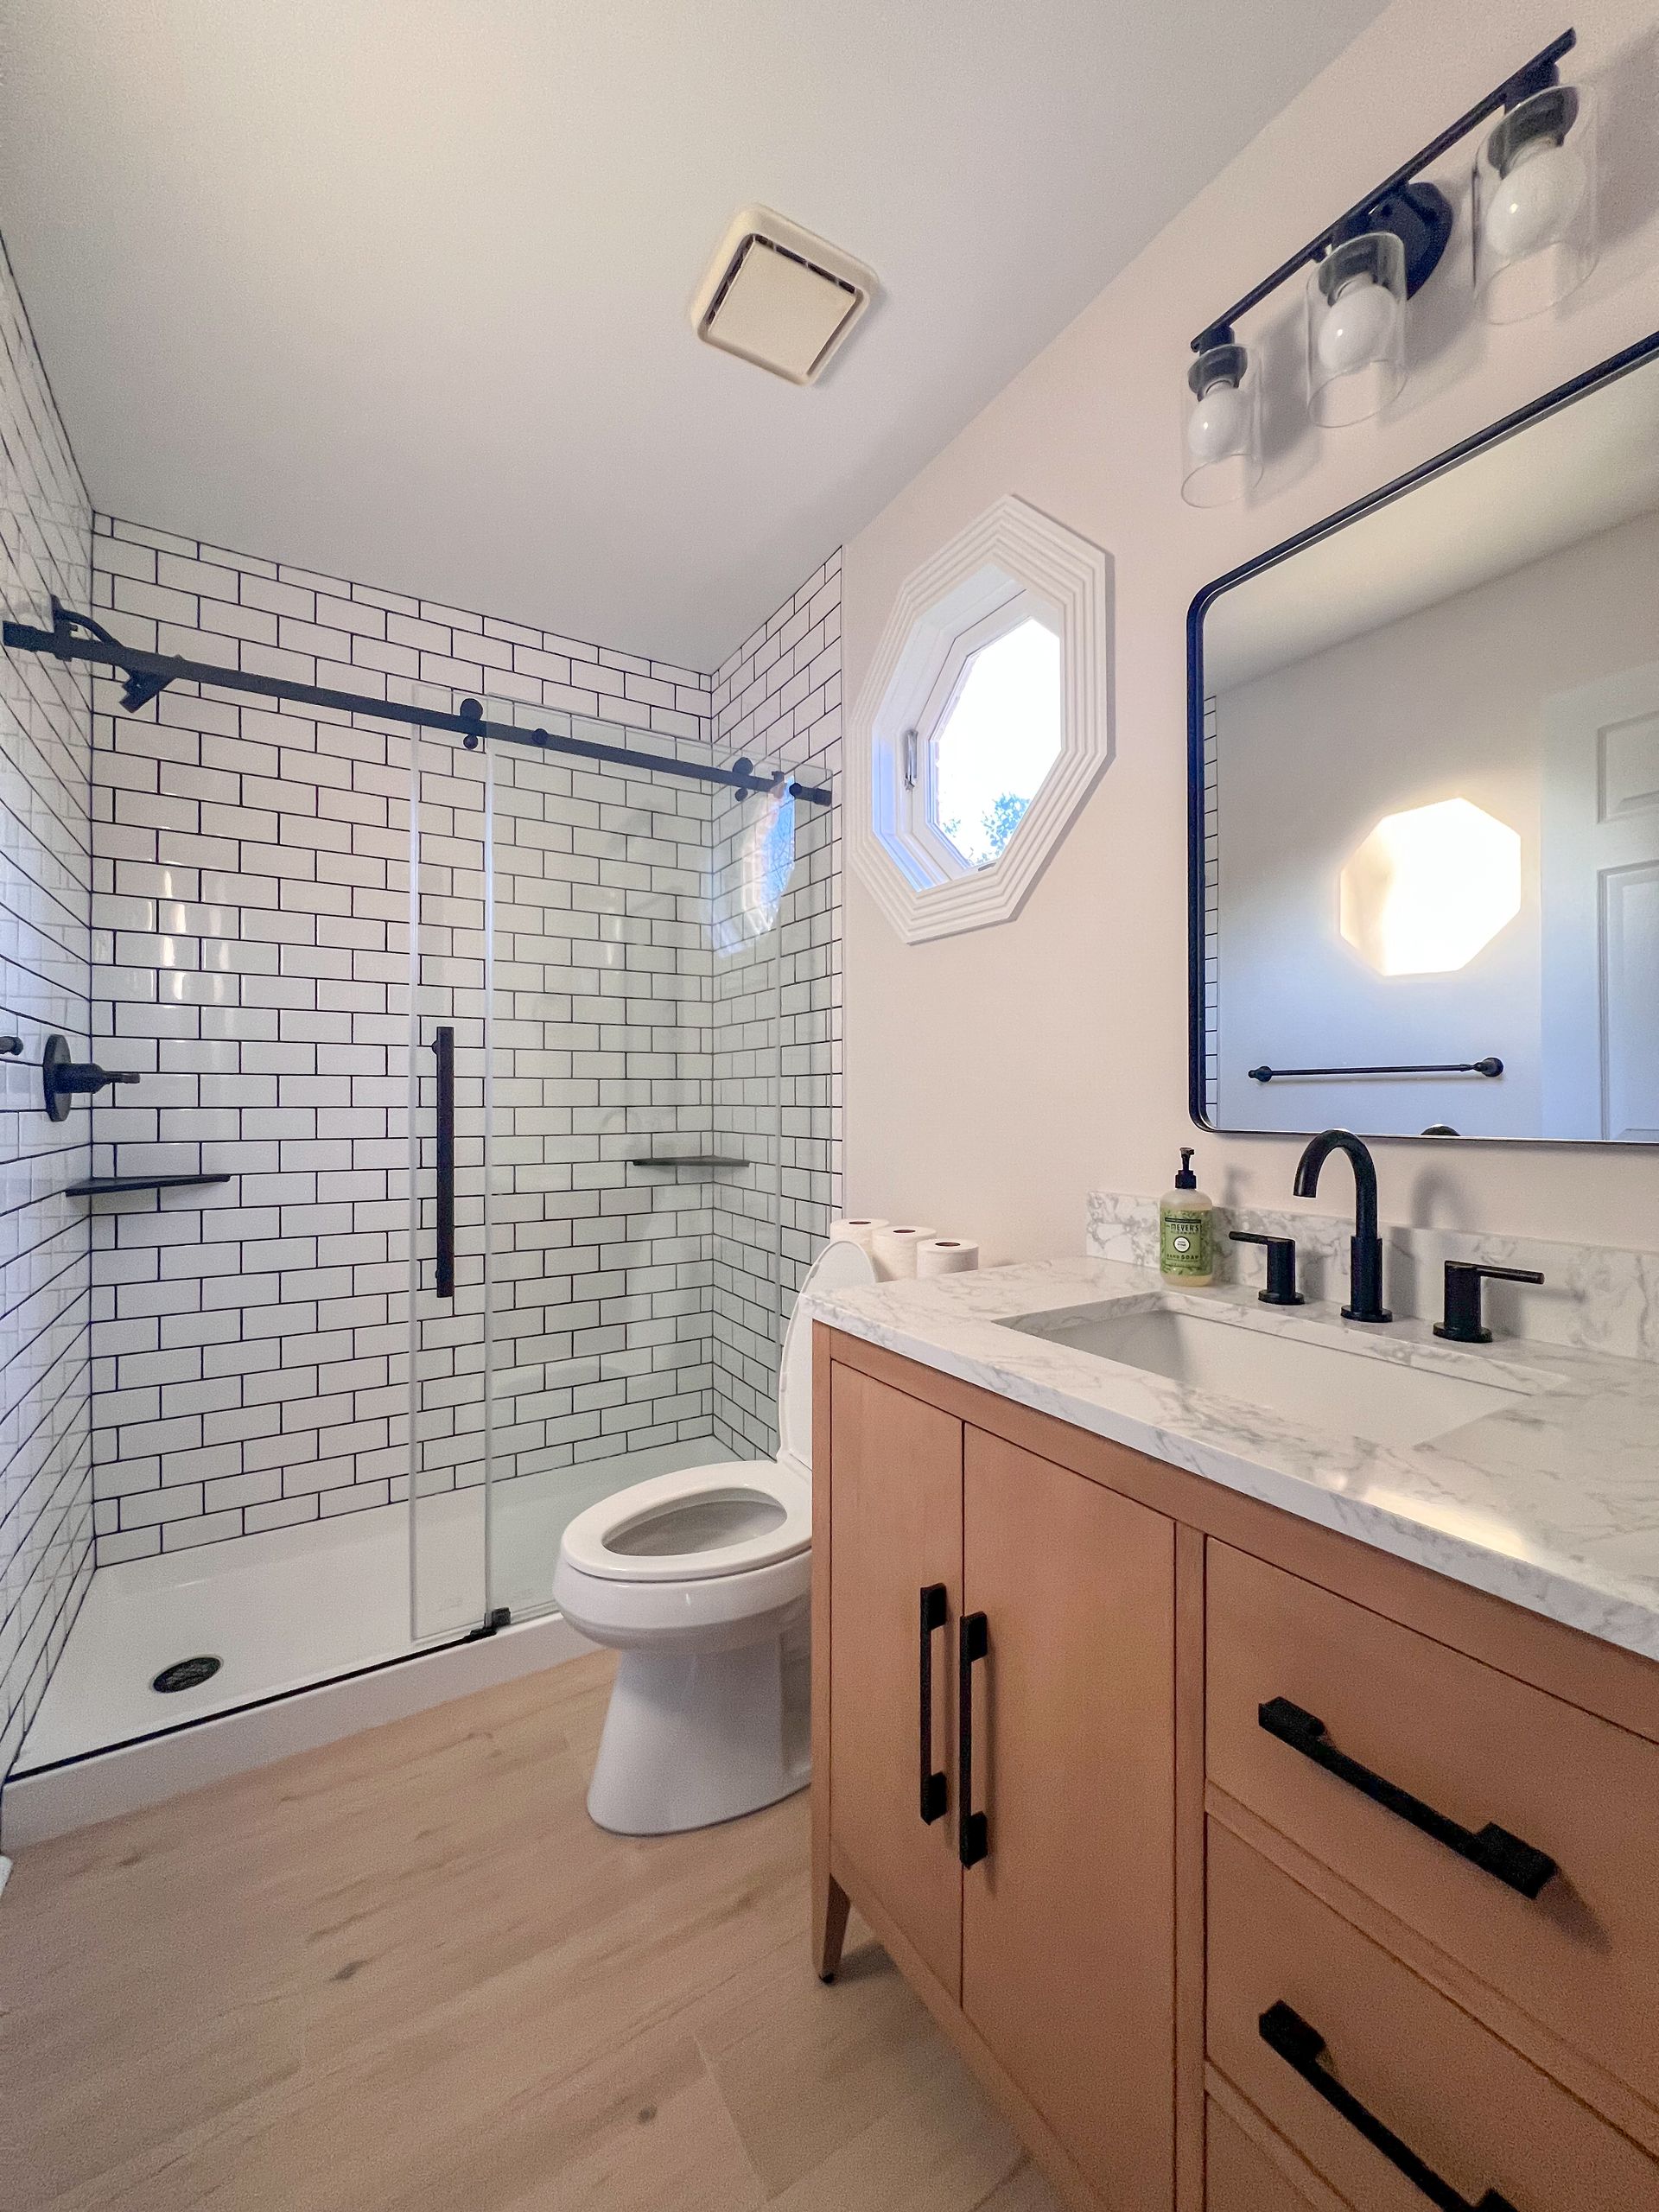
{"x": 984, "y": 722}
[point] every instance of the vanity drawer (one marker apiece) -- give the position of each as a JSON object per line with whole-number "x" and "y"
{"x": 1240, "y": 2176}
{"x": 1476, "y": 2114}
{"x": 1474, "y": 1747}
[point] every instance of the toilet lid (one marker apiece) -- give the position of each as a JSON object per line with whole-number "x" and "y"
{"x": 697, "y": 1523}
{"x": 838, "y": 1266}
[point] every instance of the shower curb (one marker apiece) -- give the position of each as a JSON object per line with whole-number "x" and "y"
{"x": 54, "y": 1800}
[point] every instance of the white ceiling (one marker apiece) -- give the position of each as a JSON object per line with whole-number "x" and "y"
{"x": 397, "y": 288}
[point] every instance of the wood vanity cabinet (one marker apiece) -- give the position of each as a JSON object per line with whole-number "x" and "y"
{"x": 1000, "y": 1760}
{"x": 1249, "y": 1868}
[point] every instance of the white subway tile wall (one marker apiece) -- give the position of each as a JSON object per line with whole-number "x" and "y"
{"x": 252, "y": 963}
{"x": 777, "y": 1039}
{"x": 46, "y": 1491}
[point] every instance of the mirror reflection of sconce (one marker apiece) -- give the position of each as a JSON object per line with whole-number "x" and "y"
{"x": 1535, "y": 215}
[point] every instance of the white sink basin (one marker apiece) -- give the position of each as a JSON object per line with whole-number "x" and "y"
{"x": 1319, "y": 1378}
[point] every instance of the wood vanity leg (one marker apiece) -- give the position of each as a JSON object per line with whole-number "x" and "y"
{"x": 830, "y": 1905}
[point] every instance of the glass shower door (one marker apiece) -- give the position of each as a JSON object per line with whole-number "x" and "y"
{"x": 595, "y": 1062}
{"x": 601, "y": 1200}
{"x": 445, "y": 1140}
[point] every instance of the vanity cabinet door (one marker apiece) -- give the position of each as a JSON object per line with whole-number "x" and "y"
{"x": 895, "y": 1531}
{"x": 1068, "y": 1921}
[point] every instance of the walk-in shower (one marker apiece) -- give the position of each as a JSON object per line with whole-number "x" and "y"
{"x": 533, "y": 1242}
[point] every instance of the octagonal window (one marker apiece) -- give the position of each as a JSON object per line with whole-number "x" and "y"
{"x": 1430, "y": 887}
{"x": 996, "y": 740}
{"x": 983, "y": 723}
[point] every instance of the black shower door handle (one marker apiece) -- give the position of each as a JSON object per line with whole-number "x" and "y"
{"x": 1301, "y": 2047}
{"x": 443, "y": 1046}
{"x": 933, "y": 1778}
{"x": 1518, "y": 1865}
{"x": 973, "y": 1829}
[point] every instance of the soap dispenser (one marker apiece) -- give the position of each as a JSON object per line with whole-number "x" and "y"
{"x": 1186, "y": 1235}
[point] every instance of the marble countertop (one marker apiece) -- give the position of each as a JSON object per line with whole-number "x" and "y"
{"x": 1551, "y": 1503}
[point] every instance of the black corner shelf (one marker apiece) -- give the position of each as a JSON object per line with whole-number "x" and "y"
{"x": 105, "y": 1186}
{"x": 686, "y": 1160}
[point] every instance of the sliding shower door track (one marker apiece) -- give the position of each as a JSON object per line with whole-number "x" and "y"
{"x": 83, "y": 638}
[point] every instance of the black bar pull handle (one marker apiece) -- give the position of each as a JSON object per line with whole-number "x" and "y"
{"x": 443, "y": 1044}
{"x": 933, "y": 1602}
{"x": 1493, "y": 1849}
{"x": 1290, "y": 2037}
{"x": 973, "y": 1829}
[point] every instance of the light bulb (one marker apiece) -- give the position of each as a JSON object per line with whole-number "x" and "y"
{"x": 1357, "y": 327}
{"x": 1536, "y": 201}
{"x": 1217, "y": 424}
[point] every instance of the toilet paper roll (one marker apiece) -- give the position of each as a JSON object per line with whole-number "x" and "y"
{"x": 947, "y": 1256}
{"x": 893, "y": 1249}
{"x": 853, "y": 1231}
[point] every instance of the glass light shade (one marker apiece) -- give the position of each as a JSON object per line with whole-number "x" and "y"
{"x": 1355, "y": 328}
{"x": 1221, "y": 450}
{"x": 1535, "y": 204}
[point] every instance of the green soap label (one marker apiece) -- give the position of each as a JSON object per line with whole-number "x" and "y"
{"x": 1183, "y": 1243}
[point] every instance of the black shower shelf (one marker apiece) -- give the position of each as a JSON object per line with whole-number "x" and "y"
{"x": 105, "y": 1186}
{"x": 686, "y": 1160}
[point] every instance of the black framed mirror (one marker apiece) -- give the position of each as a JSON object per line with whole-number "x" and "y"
{"x": 1423, "y": 795}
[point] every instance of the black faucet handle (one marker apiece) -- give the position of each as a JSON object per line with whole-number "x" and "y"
{"x": 1464, "y": 1323}
{"x": 1282, "y": 1266}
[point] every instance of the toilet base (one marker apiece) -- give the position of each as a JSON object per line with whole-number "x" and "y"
{"x": 693, "y": 1737}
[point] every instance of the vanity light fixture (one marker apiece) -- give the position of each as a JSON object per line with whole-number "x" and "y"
{"x": 1535, "y": 198}
{"x": 1357, "y": 324}
{"x": 1535, "y": 239}
{"x": 1224, "y": 424}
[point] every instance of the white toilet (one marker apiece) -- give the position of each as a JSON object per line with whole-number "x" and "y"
{"x": 703, "y": 1580}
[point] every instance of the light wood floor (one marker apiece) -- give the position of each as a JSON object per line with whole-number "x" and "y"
{"x": 406, "y": 1971}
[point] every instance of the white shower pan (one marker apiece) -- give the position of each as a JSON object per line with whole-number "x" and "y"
{"x": 311, "y": 1626}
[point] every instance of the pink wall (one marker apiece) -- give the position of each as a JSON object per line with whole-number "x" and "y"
{"x": 993, "y": 1078}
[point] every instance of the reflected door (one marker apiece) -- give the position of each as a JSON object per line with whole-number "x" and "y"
{"x": 1600, "y": 952}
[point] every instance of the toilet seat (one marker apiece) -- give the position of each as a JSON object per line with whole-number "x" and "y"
{"x": 695, "y": 1524}
{"x": 737, "y": 1517}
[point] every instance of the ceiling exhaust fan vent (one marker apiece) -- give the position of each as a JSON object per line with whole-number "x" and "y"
{"x": 778, "y": 296}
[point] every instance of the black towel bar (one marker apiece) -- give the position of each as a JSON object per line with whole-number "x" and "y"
{"x": 1489, "y": 1066}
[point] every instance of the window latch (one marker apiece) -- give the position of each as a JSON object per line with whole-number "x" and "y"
{"x": 910, "y": 759}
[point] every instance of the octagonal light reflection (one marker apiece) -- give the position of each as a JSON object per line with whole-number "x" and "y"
{"x": 1430, "y": 886}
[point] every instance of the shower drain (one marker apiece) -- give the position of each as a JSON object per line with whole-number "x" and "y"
{"x": 186, "y": 1674}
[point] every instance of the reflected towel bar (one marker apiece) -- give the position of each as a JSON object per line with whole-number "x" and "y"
{"x": 1489, "y": 1066}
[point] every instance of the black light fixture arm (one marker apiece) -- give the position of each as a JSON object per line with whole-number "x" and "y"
{"x": 81, "y": 637}
{"x": 1532, "y": 77}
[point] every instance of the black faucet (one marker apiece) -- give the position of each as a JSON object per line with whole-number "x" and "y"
{"x": 1365, "y": 1249}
